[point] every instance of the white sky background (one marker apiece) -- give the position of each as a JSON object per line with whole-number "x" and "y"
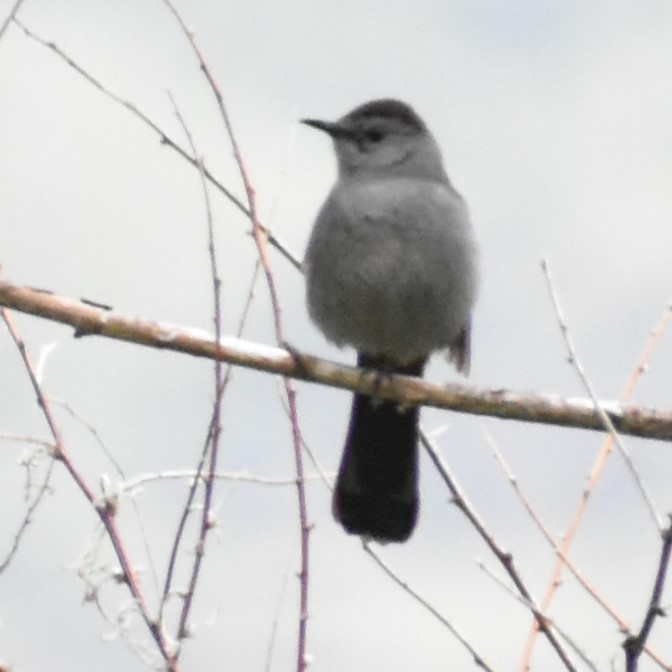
{"x": 556, "y": 123}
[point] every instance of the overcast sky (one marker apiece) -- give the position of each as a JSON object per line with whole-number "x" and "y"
{"x": 555, "y": 120}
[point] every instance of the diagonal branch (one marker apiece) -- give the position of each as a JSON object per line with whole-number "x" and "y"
{"x": 11, "y": 16}
{"x": 211, "y": 449}
{"x": 261, "y": 237}
{"x": 104, "y": 508}
{"x": 604, "y": 417}
{"x": 599, "y": 464}
{"x": 505, "y": 558}
{"x": 89, "y": 319}
{"x": 634, "y": 645}
{"x": 564, "y": 561}
{"x": 164, "y": 138}
{"x": 479, "y": 661}
{"x": 42, "y": 490}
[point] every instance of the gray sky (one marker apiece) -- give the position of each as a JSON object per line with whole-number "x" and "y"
{"x": 555, "y": 120}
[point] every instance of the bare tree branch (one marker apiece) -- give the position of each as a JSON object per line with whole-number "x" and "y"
{"x": 31, "y": 508}
{"x": 635, "y": 645}
{"x": 558, "y": 547}
{"x": 549, "y": 409}
{"x": 210, "y": 453}
{"x": 595, "y": 474}
{"x": 103, "y": 507}
{"x": 164, "y": 138}
{"x": 604, "y": 417}
{"x": 479, "y": 661}
{"x": 10, "y": 17}
{"x": 504, "y": 557}
{"x": 261, "y": 237}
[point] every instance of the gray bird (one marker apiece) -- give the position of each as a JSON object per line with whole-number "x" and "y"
{"x": 391, "y": 271}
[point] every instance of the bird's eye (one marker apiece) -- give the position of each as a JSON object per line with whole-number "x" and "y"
{"x": 374, "y": 135}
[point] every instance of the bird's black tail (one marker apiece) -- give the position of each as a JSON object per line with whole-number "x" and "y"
{"x": 376, "y": 492}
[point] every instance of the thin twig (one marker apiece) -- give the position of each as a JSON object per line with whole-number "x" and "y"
{"x": 164, "y": 138}
{"x": 274, "y": 627}
{"x": 17, "y": 438}
{"x": 104, "y": 508}
{"x": 261, "y": 238}
{"x": 478, "y": 660}
{"x": 10, "y": 17}
{"x": 181, "y": 528}
{"x": 214, "y": 431}
{"x": 539, "y": 615}
{"x": 594, "y": 477}
{"x": 505, "y": 558}
{"x": 603, "y": 415}
{"x": 326, "y": 478}
{"x": 634, "y": 645}
{"x": 94, "y": 433}
{"x": 193, "y": 474}
{"x": 120, "y": 472}
{"x": 558, "y": 548}
{"x": 197, "y": 475}
{"x": 32, "y": 507}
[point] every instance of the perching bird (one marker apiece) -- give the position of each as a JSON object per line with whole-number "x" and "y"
{"x": 390, "y": 270}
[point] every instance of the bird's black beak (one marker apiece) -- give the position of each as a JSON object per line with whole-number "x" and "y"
{"x": 334, "y": 129}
